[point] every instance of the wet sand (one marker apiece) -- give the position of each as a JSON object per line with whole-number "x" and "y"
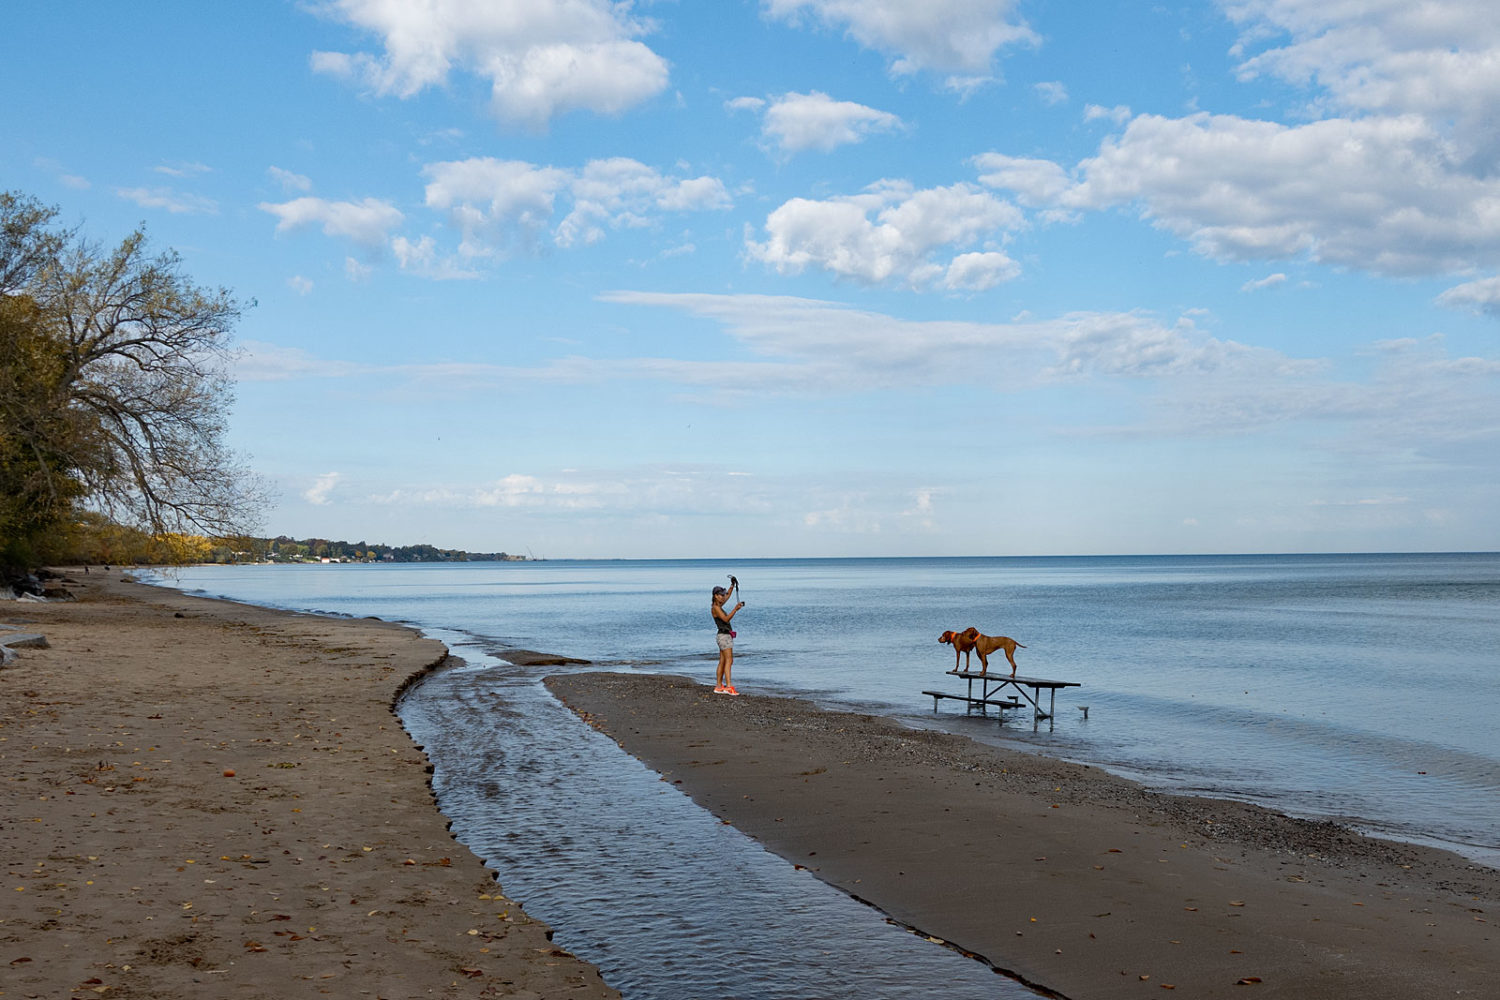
{"x": 208, "y": 799}
{"x": 1071, "y": 879}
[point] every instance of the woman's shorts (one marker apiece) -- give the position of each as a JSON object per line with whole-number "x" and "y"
{"x": 726, "y": 641}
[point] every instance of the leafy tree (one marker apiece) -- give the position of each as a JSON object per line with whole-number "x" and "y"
{"x": 37, "y": 435}
{"x": 113, "y": 388}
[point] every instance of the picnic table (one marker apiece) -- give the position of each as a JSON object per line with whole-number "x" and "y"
{"x": 993, "y": 691}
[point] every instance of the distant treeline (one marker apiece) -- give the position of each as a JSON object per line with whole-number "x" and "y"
{"x": 93, "y": 538}
{"x": 285, "y": 549}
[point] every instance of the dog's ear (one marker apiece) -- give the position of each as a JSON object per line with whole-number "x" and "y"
{"x": 971, "y": 632}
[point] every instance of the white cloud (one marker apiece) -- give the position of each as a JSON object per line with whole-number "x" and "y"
{"x": 299, "y": 284}
{"x": 1051, "y": 92}
{"x": 421, "y": 257}
{"x": 318, "y": 493}
{"x": 356, "y": 270}
{"x": 1482, "y": 295}
{"x": 799, "y": 122}
{"x": 290, "y": 181}
{"x": 976, "y": 272}
{"x": 494, "y": 202}
{"x": 839, "y": 347}
{"x": 502, "y": 205}
{"x": 365, "y": 222}
{"x": 890, "y": 233}
{"x": 175, "y": 202}
{"x": 540, "y": 57}
{"x": 966, "y": 86}
{"x": 1438, "y": 59}
{"x": 1035, "y": 182}
{"x": 263, "y": 362}
{"x": 959, "y": 36}
{"x": 1269, "y": 281}
{"x": 1374, "y": 194}
{"x": 183, "y": 169}
{"x": 1119, "y": 114}
{"x": 570, "y": 491}
{"x": 1393, "y": 168}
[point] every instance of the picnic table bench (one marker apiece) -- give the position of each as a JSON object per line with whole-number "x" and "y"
{"x": 1000, "y": 703}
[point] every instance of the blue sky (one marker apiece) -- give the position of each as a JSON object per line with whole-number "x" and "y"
{"x": 817, "y": 277}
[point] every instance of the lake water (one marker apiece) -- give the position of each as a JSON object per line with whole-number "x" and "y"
{"x": 1355, "y": 687}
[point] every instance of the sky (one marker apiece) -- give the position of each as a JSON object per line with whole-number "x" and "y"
{"x": 573, "y": 278}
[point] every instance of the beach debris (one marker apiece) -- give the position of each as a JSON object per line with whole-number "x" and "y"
{"x": 1248, "y": 981}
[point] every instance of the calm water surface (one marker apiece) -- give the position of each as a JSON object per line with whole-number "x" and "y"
{"x": 1355, "y": 687}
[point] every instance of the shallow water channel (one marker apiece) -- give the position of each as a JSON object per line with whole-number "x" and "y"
{"x": 635, "y": 877}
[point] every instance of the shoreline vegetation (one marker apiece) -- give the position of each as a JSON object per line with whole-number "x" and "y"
{"x": 215, "y": 797}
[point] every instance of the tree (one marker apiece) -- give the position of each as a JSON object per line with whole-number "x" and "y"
{"x": 113, "y": 386}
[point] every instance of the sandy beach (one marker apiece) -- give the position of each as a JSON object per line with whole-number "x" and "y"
{"x": 1064, "y": 876}
{"x": 207, "y": 799}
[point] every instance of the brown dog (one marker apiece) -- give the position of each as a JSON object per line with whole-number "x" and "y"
{"x": 962, "y": 643}
{"x": 971, "y": 639}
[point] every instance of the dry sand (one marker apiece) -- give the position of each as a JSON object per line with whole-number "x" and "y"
{"x": 207, "y": 799}
{"x": 1070, "y": 878}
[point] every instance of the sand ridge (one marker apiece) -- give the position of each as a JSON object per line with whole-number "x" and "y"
{"x": 1072, "y": 879}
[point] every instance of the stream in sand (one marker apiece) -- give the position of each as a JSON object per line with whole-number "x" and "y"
{"x": 665, "y": 899}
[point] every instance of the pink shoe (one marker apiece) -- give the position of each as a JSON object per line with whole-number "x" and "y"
{"x": 730, "y": 690}
{"x": 721, "y": 690}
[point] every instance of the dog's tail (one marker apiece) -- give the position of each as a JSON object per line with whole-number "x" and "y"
{"x": 1020, "y": 645}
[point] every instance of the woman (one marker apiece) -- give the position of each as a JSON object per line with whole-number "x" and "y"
{"x": 725, "y": 638}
